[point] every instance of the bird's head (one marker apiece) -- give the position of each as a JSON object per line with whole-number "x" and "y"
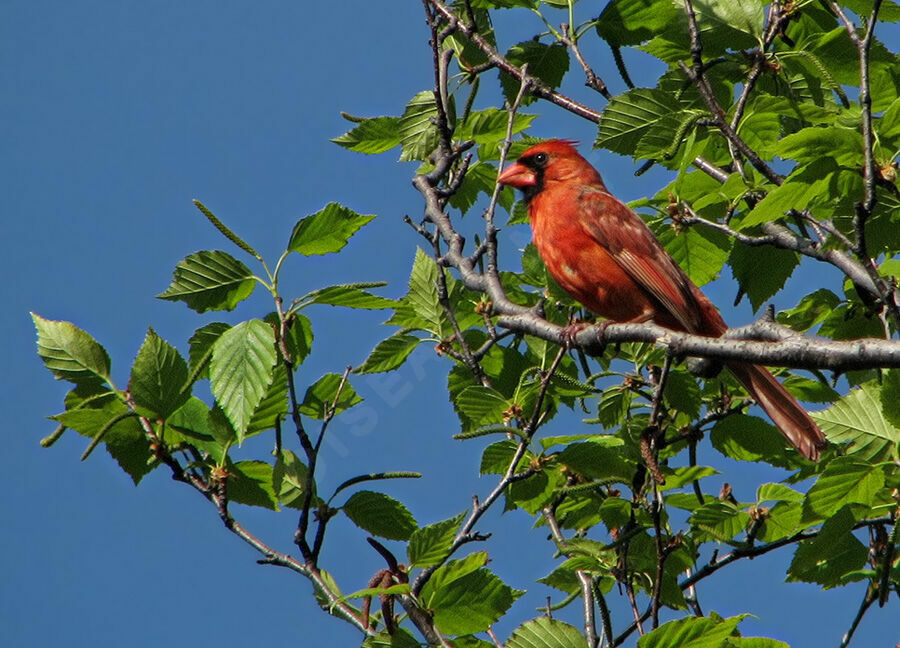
{"x": 552, "y": 161}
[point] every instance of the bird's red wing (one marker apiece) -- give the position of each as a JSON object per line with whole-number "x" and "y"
{"x": 630, "y": 242}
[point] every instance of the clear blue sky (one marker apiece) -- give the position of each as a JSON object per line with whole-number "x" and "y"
{"x": 114, "y": 116}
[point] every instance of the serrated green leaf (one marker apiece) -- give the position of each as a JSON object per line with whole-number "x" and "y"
{"x": 430, "y": 545}
{"x": 496, "y": 457}
{"x": 70, "y": 353}
{"x": 123, "y": 435}
{"x": 828, "y": 558}
{"x": 348, "y": 295}
{"x": 549, "y": 63}
{"x": 817, "y": 142}
{"x": 544, "y": 632}
{"x": 678, "y": 477}
{"x": 691, "y": 632}
{"x": 701, "y": 253}
{"x": 478, "y": 406}
{"x": 157, "y": 377}
{"x": 718, "y": 522}
{"x": 471, "y": 603}
{"x": 846, "y": 480}
{"x": 489, "y": 126}
{"x": 389, "y": 354}
{"x": 857, "y": 418}
{"x": 320, "y": 397}
{"x": 273, "y": 407}
{"x": 597, "y": 461}
{"x": 250, "y": 482}
{"x": 811, "y": 310}
{"x": 210, "y": 280}
{"x": 418, "y": 133}
{"x": 890, "y": 403}
{"x": 804, "y": 185}
{"x": 777, "y": 493}
{"x": 201, "y": 343}
{"x": 380, "y": 515}
{"x": 761, "y": 271}
{"x": 748, "y": 438}
{"x": 241, "y": 370}
{"x": 374, "y": 135}
{"x": 631, "y": 22}
{"x": 326, "y": 231}
{"x": 629, "y": 116}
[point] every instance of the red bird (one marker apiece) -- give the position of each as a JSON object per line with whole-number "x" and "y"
{"x": 606, "y": 257}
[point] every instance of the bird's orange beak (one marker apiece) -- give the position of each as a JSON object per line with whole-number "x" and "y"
{"x": 518, "y": 175}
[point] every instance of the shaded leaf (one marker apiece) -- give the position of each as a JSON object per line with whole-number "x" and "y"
{"x": 250, "y": 482}
{"x": 320, "y": 397}
{"x": 380, "y": 515}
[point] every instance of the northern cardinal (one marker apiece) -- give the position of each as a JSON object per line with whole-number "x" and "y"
{"x": 606, "y": 257}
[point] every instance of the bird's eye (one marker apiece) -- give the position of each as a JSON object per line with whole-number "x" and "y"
{"x": 540, "y": 159}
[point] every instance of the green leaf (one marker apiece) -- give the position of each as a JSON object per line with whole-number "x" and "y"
{"x": 846, "y": 480}
{"x": 549, "y": 63}
{"x": 678, "y": 477}
{"x": 375, "y": 135}
{"x": 380, "y": 515}
{"x": 389, "y": 354}
{"x": 683, "y": 393}
{"x": 321, "y": 395}
{"x": 157, "y": 377}
{"x": 496, "y": 457}
{"x": 250, "y": 482}
{"x": 811, "y": 310}
{"x": 289, "y": 479}
{"x": 124, "y": 437}
{"x": 430, "y": 545}
{"x": 241, "y": 370}
{"x": 273, "y": 407}
{"x": 857, "y": 418}
{"x": 817, "y": 142}
{"x": 210, "y": 280}
{"x": 544, "y": 632}
{"x": 691, "y": 632}
{"x": 718, "y": 522}
{"x": 418, "y": 133}
{"x": 326, "y": 231}
{"x": 777, "y": 493}
{"x": 629, "y": 116}
{"x": 471, "y": 603}
{"x": 701, "y": 253}
{"x": 596, "y": 461}
{"x": 748, "y": 438}
{"x": 478, "y": 405}
{"x": 890, "y": 404}
{"x": 488, "y": 126}
{"x": 832, "y": 555}
{"x": 70, "y": 353}
{"x": 631, "y": 22}
{"x": 201, "y": 344}
{"x": 803, "y": 186}
{"x": 761, "y": 271}
{"x": 349, "y": 295}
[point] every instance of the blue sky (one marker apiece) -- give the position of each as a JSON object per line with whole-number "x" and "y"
{"x": 115, "y": 115}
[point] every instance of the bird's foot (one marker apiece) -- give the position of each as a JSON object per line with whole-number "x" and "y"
{"x": 592, "y": 347}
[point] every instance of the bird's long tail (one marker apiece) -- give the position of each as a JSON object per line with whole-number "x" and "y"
{"x": 784, "y": 410}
